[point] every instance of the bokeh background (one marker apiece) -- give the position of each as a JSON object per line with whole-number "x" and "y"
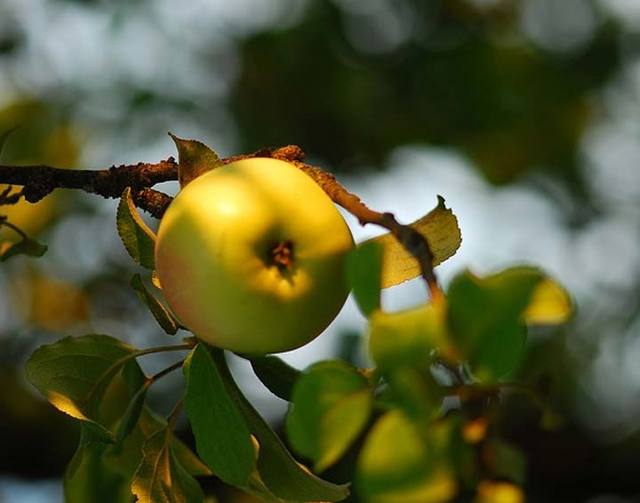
{"x": 524, "y": 115}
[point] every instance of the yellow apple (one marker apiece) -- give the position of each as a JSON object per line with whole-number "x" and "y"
{"x": 251, "y": 257}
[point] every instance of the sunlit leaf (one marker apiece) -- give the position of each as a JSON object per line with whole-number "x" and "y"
{"x": 280, "y": 473}
{"x": 330, "y": 407}
{"x": 73, "y": 372}
{"x": 223, "y": 439}
{"x": 439, "y": 227}
{"x": 409, "y": 337}
{"x": 403, "y": 462}
{"x": 162, "y": 315}
{"x": 160, "y": 478}
{"x": 275, "y": 374}
{"x": 486, "y": 318}
{"x": 155, "y": 280}
{"x": 498, "y": 492}
{"x": 550, "y": 304}
{"x": 195, "y": 159}
{"x": 136, "y": 236}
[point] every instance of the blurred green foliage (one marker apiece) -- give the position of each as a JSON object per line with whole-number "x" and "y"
{"x": 464, "y": 77}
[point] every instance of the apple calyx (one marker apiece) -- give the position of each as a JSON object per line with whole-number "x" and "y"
{"x": 281, "y": 255}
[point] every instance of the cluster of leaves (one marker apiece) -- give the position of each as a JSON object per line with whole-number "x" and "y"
{"x": 413, "y": 445}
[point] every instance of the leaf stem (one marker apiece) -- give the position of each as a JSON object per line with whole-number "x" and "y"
{"x": 119, "y": 363}
{"x": 173, "y": 416}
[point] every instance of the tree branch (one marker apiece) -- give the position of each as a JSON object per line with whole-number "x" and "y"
{"x": 38, "y": 181}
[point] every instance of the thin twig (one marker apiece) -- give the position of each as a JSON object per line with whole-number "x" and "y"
{"x": 165, "y": 371}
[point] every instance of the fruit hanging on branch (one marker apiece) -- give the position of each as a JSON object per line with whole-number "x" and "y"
{"x": 251, "y": 257}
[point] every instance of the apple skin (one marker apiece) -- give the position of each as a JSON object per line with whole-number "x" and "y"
{"x": 215, "y": 257}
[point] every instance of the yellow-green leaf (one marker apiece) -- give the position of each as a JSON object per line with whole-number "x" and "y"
{"x": 74, "y": 372}
{"x": 330, "y": 407}
{"x": 163, "y": 316}
{"x": 439, "y": 227}
{"x": 136, "y": 236}
{"x": 195, "y": 159}
{"x": 549, "y": 305}
{"x": 401, "y": 462}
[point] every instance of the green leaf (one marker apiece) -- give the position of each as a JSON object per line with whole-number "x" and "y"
{"x": 162, "y": 315}
{"x": 331, "y": 405}
{"x": 409, "y": 337}
{"x": 74, "y": 372}
{"x": 90, "y": 478}
{"x": 223, "y": 439}
{"x": 136, "y": 236}
{"x": 403, "y": 345}
{"x": 364, "y": 272}
{"x": 160, "y": 478}
{"x": 439, "y": 227}
{"x": 195, "y": 159}
{"x": 131, "y": 414}
{"x": 102, "y": 472}
{"x": 280, "y": 473}
{"x": 550, "y": 304}
{"x": 394, "y": 455}
{"x": 189, "y": 459}
{"x": 26, "y": 246}
{"x": 401, "y": 462}
{"x": 275, "y": 374}
{"x": 486, "y": 318}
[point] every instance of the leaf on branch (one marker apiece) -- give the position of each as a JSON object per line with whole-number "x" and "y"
{"x": 486, "y": 318}
{"x": 136, "y": 236}
{"x": 276, "y": 375}
{"x": 161, "y": 478}
{"x": 102, "y": 473}
{"x": 399, "y": 462}
{"x": 331, "y": 405}
{"x": 163, "y": 316}
{"x": 403, "y": 345}
{"x": 278, "y": 471}
{"x": 195, "y": 159}
{"x": 26, "y": 246}
{"x": 439, "y": 227}
{"x": 74, "y": 373}
{"x": 408, "y": 338}
{"x": 132, "y": 413}
{"x": 550, "y": 304}
{"x": 223, "y": 439}
{"x": 364, "y": 271}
